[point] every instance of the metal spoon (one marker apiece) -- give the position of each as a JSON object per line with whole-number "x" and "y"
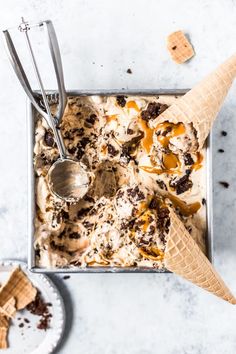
{"x": 67, "y": 179}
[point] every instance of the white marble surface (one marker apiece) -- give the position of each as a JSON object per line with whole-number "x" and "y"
{"x": 132, "y": 313}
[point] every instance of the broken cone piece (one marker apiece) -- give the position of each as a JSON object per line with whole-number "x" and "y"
{"x": 19, "y": 287}
{"x": 4, "y": 326}
{"x": 179, "y": 47}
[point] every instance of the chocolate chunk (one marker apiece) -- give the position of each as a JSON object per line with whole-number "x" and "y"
{"x": 111, "y": 150}
{"x": 56, "y": 247}
{"x": 121, "y": 101}
{"x": 135, "y": 193}
{"x": 74, "y": 236}
{"x": 154, "y": 204}
{"x": 130, "y": 131}
{"x": 151, "y": 230}
{"x": 153, "y": 110}
{"x": 84, "y": 141}
{"x": 91, "y": 119}
{"x": 72, "y": 150}
{"x": 223, "y": 133}
{"x": 221, "y": 150}
{"x": 80, "y": 153}
{"x": 188, "y": 160}
{"x": 224, "y": 184}
{"x": 40, "y": 308}
{"x": 65, "y": 215}
{"x": 49, "y": 139}
{"x": 80, "y": 131}
{"x": 181, "y": 185}
{"x": 161, "y": 184}
{"x": 129, "y": 71}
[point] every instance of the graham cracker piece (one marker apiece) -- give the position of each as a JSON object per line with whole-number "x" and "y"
{"x": 4, "y": 326}
{"x": 179, "y": 47}
{"x": 19, "y": 287}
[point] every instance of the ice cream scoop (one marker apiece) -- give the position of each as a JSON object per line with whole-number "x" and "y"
{"x": 67, "y": 178}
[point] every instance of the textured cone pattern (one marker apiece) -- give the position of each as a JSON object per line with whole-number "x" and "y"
{"x": 184, "y": 257}
{"x": 18, "y": 287}
{"x": 9, "y": 309}
{"x": 200, "y": 105}
{"x": 4, "y": 325}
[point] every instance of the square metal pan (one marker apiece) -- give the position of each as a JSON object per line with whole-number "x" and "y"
{"x": 31, "y": 118}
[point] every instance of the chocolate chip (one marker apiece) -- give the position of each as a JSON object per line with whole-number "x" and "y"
{"x": 174, "y": 47}
{"x": 153, "y": 110}
{"x": 161, "y": 184}
{"x": 84, "y": 141}
{"x": 91, "y": 119}
{"x": 121, "y": 101}
{"x": 74, "y": 236}
{"x": 224, "y": 184}
{"x": 151, "y": 230}
{"x": 49, "y": 139}
{"x": 223, "y": 133}
{"x": 188, "y": 160}
{"x": 153, "y": 204}
{"x": 181, "y": 185}
{"x": 111, "y": 150}
{"x": 129, "y": 71}
{"x": 72, "y": 150}
{"x": 135, "y": 193}
{"x": 221, "y": 150}
{"x": 130, "y": 131}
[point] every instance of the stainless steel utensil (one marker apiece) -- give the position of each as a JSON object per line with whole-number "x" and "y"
{"x": 67, "y": 178}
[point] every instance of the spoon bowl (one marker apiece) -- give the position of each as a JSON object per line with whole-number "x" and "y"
{"x": 68, "y": 180}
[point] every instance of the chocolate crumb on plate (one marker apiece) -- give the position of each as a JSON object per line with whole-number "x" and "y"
{"x": 221, "y": 150}
{"x": 224, "y": 184}
{"x": 66, "y": 277}
{"x": 40, "y": 308}
{"x": 203, "y": 201}
{"x": 223, "y": 133}
{"x": 21, "y": 325}
{"x": 129, "y": 71}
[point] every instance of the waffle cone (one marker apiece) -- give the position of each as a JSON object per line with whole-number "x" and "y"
{"x": 4, "y": 325}
{"x": 18, "y": 287}
{"x": 9, "y": 309}
{"x": 184, "y": 257}
{"x": 200, "y": 105}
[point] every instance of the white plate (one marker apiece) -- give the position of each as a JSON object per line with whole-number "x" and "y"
{"x": 31, "y": 340}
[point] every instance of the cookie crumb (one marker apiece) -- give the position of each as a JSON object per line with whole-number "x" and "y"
{"x": 224, "y": 184}
{"x": 223, "y": 133}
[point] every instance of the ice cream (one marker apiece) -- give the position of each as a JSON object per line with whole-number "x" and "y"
{"x": 141, "y": 167}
